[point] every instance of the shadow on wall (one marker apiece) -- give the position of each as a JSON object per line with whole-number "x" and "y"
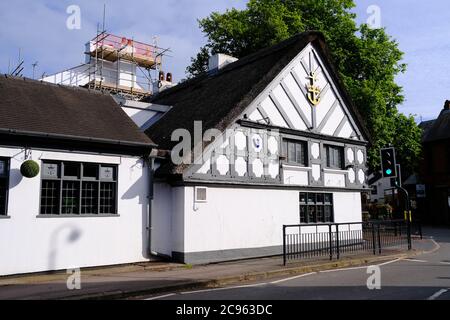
{"x": 139, "y": 190}
{"x": 57, "y": 242}
{"x": 15, "y": 178}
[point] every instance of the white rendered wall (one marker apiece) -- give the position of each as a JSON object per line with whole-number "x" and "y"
{"x": 162, "y": 219}
{"x": 32, "y": 244}
{"x": 347, "y": 207}
{"x": 238, "y": 218}
{"x": 81, "y": 75}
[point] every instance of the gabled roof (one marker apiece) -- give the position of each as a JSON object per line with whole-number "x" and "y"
{"x": 34, "y": 108}
{"x": 218, "y": 98}
{"x": 440, "y": 128}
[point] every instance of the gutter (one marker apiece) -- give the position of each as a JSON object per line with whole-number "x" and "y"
{"x": 75, "y": 138}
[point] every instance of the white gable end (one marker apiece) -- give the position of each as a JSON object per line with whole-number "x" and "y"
{"x": 303, "y": 97}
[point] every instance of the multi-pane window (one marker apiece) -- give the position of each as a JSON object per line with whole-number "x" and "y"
{"x": 316, "y": 207}
{"x": 73, "y": 188}
{"x": 335, "y": 157}
{"x": 295, "y": 152}
{"x": 4, "y": 185}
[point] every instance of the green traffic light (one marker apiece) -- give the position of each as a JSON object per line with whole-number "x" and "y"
{"x": 388, "y": 171}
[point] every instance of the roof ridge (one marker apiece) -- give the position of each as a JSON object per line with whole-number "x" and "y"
{"x": 45, "y": 83}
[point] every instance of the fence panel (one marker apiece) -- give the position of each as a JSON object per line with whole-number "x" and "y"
{"x": 307, "y": 241}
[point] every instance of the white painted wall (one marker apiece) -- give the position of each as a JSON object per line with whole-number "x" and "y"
{"x": 178, "y": 219}
{"x": 82, "y": 74}
{"x": 163, "y": 206}
{"x": 295, "y": 177}
{"x": 347, "y": 207}
{"x": 236, "y": 218}
{"x": 31, "y": 244}
{"x": 334, "y": 179}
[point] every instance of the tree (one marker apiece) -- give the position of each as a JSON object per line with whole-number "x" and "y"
{"x": 366, "y": 59}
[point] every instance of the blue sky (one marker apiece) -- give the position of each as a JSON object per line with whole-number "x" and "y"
{"x": 38, "y": 27}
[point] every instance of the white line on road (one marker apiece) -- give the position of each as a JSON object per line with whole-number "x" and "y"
{"x": 444, "y": 262}
{"x": 359, "y": 268}
{"x": 343, "y": 269}
{"x": 437, "y": 246}
{"x": 389, "y": 262}
{"x": 415, "y": 260}
{"x": 226, "y": 288}
{"x": 437, "y": 294}
{"x": 160, "y": 297}
{"x": 292, "y": 278}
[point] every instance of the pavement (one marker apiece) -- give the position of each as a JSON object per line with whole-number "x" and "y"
{"x": 147, "y": 279}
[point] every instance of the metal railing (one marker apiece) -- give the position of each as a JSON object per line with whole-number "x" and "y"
{"x": 305, "y": 241}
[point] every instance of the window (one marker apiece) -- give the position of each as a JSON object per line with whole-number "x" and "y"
{"x": 335, "y": 157}
{"x": 295, "y": 152}
{"x": 316, "y": 207}
{"x": 73, "y": 188}
{"x": 4, "y": 186}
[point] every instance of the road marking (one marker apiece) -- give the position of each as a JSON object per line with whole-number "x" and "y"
{"x": 389, "y": 262}
{"x": 160, "y": 297}
{"x": 415, "y": 260}
{"x": 444, "y": 262}
{"x": 437, "y": 246}
{"x": 362, "y": 267}
{"x": 292, "y": 278}
{"x": 225, "y": 288}
{"x": 343, "y": 269}
{"x": 437, "y": 294}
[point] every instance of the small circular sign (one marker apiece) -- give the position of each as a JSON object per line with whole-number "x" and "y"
{"x": 257, "y": 143}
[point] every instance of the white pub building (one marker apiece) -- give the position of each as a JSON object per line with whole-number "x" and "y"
{"x": 267, "y": 140}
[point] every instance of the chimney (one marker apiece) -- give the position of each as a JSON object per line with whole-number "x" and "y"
{"x": 164, "y": 82}
{"x": 220, "y": 60}
{"x": 447, "y": 105}
{"x": 161, "y": 76}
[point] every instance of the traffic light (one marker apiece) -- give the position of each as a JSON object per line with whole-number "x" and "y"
{"x": 388, "y": 165}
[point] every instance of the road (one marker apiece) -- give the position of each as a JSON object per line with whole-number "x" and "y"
{"x": 424, "y": 277}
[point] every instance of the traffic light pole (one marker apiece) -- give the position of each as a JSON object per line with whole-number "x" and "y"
{"x": 408, "y": 216}
{"x": 390, "y": 169}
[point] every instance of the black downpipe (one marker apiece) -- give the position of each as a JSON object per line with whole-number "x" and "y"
{"x": 151, "y": 163}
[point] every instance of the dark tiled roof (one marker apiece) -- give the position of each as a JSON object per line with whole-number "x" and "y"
{"x": 34, "y": 107}
{"x": 217, "y": 99}
{"x": 440, "y": 128}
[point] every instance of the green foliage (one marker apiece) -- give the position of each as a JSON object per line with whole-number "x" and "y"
{"x": 29, "y": 169}
{"x": 367, "y": 60}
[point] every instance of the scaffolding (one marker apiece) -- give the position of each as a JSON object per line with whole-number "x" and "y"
{"x": 119, "y": 66}
{"x": 123, "y": 66}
